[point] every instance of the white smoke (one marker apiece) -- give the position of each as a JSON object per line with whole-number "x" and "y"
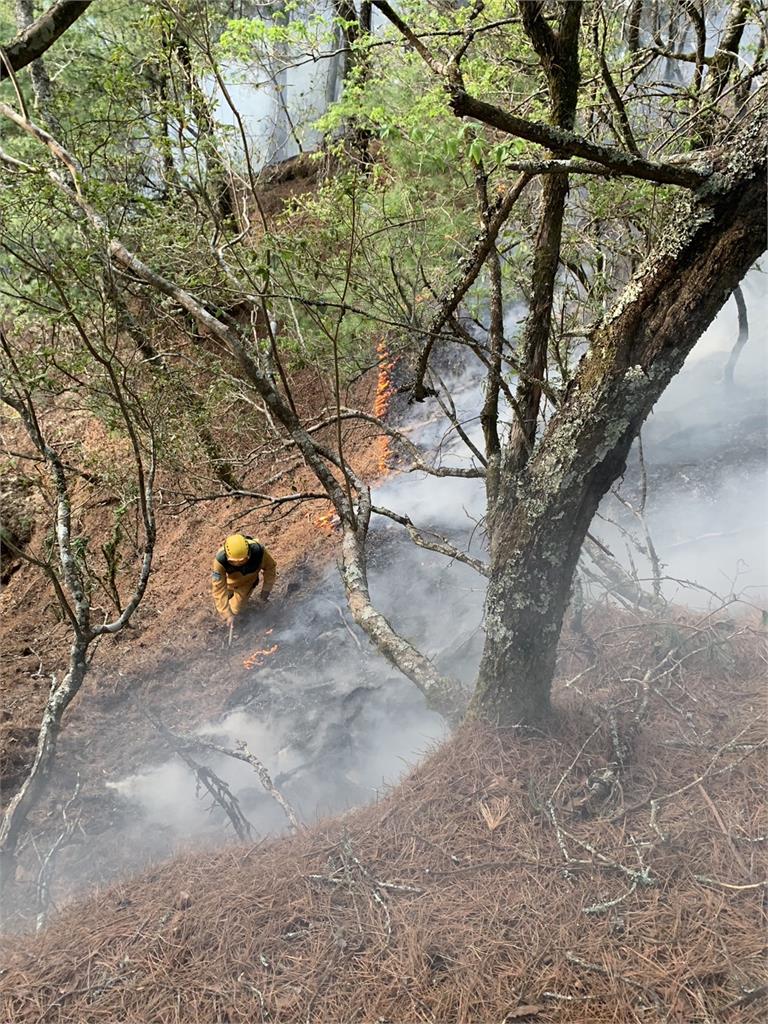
{"x": 334, "y": 723}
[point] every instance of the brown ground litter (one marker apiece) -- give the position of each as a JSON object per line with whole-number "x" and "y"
{"x": 175, "y": 626}
{"x": 505, "y": 879}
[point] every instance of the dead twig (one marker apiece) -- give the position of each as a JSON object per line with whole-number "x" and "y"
{"x": 207, "y": 779}
{"x": 749, "y": 997}
{"x": 47, "y": 864}
{"x": 707, "y": 774}
{"x": 579, "y": 962}
{"x": 716, "y": 815}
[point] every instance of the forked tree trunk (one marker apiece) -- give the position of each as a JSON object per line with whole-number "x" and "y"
{"x": 543, "y": 516}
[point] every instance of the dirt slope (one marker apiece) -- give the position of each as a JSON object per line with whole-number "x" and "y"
{"x": 174, "y": 655}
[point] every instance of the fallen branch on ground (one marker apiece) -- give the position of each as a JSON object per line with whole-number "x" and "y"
{"x": 183, "y": 744}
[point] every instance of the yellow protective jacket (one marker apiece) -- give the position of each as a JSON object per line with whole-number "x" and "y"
{"x": 237, "y": 581}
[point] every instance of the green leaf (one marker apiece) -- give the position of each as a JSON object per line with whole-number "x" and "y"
{"x": 476, "y": 150}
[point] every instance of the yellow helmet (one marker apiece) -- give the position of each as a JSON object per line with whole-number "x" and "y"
{"x": 236, "y": 548}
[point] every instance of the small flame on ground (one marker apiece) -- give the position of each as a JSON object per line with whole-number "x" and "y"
{"x": 326, "y": 522}
{"x": 257, "y": 658}
{"x": 384, "y": 391}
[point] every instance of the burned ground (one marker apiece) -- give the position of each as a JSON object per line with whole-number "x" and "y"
{"x": 173, "y": 659}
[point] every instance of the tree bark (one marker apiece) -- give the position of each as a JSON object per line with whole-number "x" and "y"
{"x": 726, "y": 55}
{"x": 573, "y": 144}
{"x": 41, "y": 82}
{"x": 41, "y": 34}
{"x": 356, "y": 28}
{"x": 633, "y": 26}
{"x": 543, "y": 518}
{"x": 559, "y": 56}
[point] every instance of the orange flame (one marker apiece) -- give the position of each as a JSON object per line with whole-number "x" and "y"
{"x": 384, "y": 392}
{"x": 325, "y": 522}
{"x": 258, "y": 658}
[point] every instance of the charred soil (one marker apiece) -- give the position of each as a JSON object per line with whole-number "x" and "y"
{"x": 174, "y": 656}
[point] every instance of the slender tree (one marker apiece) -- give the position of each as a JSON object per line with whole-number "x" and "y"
{"x": 66, "y": 571}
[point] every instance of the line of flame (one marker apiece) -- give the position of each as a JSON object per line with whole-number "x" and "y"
{"x": 325, "y": 521}
{"x": 257, "y": 659}
{"x": 384, "y": 392}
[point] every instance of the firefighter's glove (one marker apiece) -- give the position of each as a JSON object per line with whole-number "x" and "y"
{"x": 227, "y": 617}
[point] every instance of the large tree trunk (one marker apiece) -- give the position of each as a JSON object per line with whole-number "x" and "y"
{"x": 543, "y": 517}
{"x": 356, "y": 28}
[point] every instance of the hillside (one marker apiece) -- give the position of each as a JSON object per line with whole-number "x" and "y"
{"x": 460, "y": 310}
{"x": 176, "y": 648}
{"x": 508, "y": 877}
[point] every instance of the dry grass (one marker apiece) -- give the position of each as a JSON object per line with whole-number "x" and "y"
{"x": 508, "y": 878}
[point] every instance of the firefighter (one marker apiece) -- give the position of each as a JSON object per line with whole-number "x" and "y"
{"x": 235, "y": 573}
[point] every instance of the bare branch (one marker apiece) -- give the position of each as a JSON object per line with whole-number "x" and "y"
{"x": 442, "y": 694}
{"x": 725, "y": 58}
{"x": 388, "y": 11}
{"x": 535, "y": 167}
{"x": 440, "y": 544}
{"x": 448, "y": 407}
{"x": 418, "y": 463}
{"x": 700, "y": 32}
{"x": 470, "y": 269}
{"x": 710, "y": 772}
{"x": 62, "y": 694}
{"x": 183, "y": 744}
{"x": 625, "y": 128}
{"x": 242, "y": 753}
{"x": 558, "y": 139}
{"x": 226, "y": 333}
{"x": 743, "y": 337}
{"x": 48, "y": 863}
{"x": 38, "y": 37}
